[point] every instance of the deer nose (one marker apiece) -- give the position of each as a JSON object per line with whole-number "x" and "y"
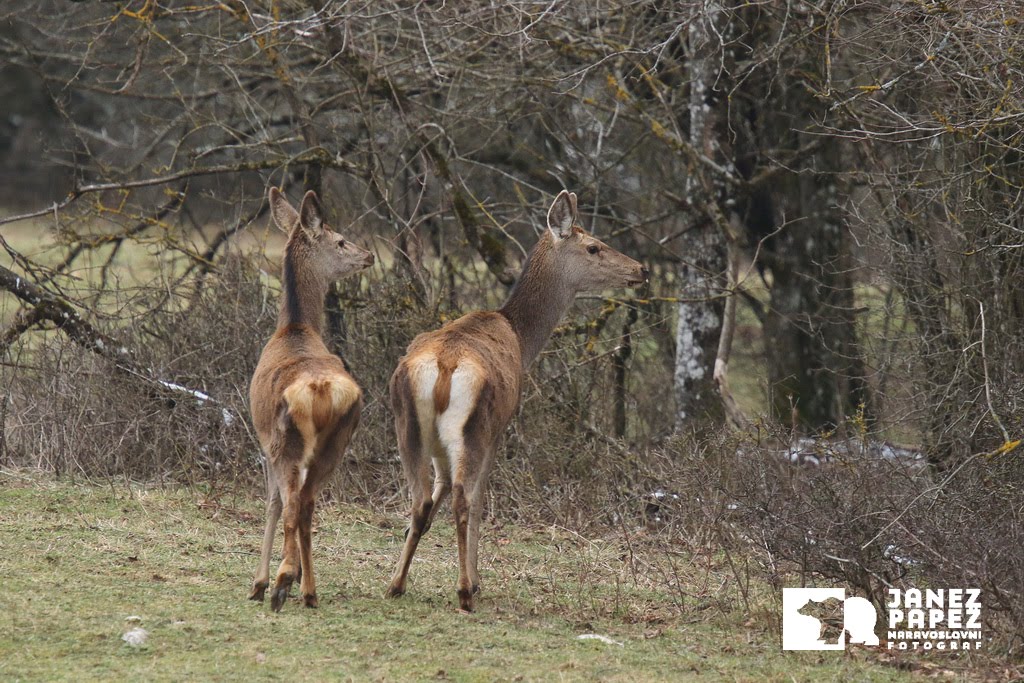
{"x": 645, "y": 274}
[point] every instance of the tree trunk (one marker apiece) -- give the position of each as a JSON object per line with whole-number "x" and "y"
{"x": 701, "y": 284}
{"x": 816, "y": 374}
{"x": 700, "y": 325}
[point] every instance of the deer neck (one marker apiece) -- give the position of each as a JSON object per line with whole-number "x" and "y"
{"x": 302, "y": 302}
{"x": 538, "y": 301}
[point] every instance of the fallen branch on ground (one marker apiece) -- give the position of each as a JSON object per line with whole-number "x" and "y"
{"x": 45, "y": 306}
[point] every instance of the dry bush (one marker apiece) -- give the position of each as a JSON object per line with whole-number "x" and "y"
{"x": 872, "y": 524}
{"x": 74, "y": 412}
{"x": 71, "y": 411}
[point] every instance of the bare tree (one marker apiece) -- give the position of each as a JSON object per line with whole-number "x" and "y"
{"x": 794, "y": 146}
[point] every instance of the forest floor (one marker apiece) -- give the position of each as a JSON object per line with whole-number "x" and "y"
{"x": 85, "y": 563}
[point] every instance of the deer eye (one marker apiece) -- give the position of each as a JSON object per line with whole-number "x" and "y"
{"x": 593, "y": 249}
{"x": 341, "y": 244}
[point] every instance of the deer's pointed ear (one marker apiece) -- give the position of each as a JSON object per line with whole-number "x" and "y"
{"x": 285, "y": 217}
{"x": 310, "y": 215}
{"x": 562, "y": 215}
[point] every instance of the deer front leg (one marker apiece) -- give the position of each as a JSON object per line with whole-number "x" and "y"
{"x": 290, "y": 560}
{"x": 442, "y": 487}
{"x": 273, "y": 514}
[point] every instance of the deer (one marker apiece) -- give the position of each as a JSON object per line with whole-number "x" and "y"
{"x": 305, "y": 405}
{"x": 456, "y": 389}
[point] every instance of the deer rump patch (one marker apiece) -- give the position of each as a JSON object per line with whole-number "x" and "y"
{"x": 315, "y": 403}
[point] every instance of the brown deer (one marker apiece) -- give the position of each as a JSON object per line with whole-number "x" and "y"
{"x": 457, "y": 388}
{"x": 305, "y": 405}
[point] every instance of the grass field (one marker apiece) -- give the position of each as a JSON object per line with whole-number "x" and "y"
{"x": 79, "y": 560}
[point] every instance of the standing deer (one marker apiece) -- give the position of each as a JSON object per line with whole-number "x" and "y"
{"x": 457, "y": 388}
{"x": 305, "y": 405}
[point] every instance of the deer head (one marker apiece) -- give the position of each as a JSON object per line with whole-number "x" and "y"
{"x": 316, "y": 249}
{"x": 586, "y": 262}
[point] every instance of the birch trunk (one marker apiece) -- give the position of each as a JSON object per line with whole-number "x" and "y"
{"x": 701, "y": 286}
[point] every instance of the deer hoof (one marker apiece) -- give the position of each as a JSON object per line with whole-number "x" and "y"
{"x": 310, "y": 600}
{"x": 258, "y": 589}
{"x": 466, "y": 600}
{"x": 277, "y": 601}
{"x": 282, "y": 588}
{"x": 394, "y": 591}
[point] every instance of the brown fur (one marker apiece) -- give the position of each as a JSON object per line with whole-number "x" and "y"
{"x": 477, "y": 364}
{"x": 305, "y": 405}
{"x": 443, "y": 387}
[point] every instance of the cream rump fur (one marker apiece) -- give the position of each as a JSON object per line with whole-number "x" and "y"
{"x": 315, "y": 404}
{"x": 442, "y": 419}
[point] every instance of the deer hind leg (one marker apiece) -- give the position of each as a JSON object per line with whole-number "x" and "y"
{"x": 320, "y": 470}
{"x": 307, "y": 505}
{"x": 286, "y": 572}
{"x": 262, "y": 578}
{"x": 476, "y": 509}
{"x": 476, "y": 495}
{"x": 467, "y": 507}
{"x": 419, "y": 482}
{"x": 460, "y": 510}
{"x": 458, "y": 430}
{"x": 417, "y": 473}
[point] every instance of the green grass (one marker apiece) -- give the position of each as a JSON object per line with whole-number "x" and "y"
{"x": 79, "y": 559}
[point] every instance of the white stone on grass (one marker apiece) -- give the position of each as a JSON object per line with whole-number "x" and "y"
{"x": 136, "y": 637}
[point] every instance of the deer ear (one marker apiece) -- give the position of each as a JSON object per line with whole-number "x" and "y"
{"x": 284, "y": 215}
{"x": 562, "y": 215}
{"x": 310, "y": 215}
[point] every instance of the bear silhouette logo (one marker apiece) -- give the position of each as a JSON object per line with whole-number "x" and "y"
{"x": 825, "y": 619}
